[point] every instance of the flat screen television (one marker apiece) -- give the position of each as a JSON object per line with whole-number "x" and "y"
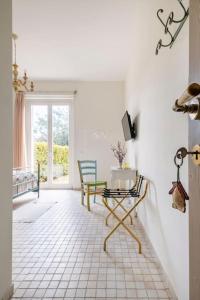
{"x": 128, "y": 128}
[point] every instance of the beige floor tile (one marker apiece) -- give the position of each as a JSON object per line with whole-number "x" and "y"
{"x": 60, "y": 256}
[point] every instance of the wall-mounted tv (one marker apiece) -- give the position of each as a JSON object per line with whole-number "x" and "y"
{"x": 129, "y": 129}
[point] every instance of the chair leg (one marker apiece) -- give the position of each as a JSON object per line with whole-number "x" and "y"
{"x": 88, "y": 198}
{"x": 135, "y": 211}
{"x": 82, "y": 196}
{"x": 96, "y": 194}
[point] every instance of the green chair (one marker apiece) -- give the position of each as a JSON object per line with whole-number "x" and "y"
{"x": 89, "y": 184}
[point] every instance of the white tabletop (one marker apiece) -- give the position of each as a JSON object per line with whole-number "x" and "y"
{"x": 122, "y": 175}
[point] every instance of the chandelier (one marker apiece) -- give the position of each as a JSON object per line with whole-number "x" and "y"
{"x": 20, "y": 84}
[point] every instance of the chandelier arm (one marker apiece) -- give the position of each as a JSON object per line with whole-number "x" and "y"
{"x": 19, "y": 84}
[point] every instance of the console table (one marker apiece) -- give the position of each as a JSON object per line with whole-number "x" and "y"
{"x": 122, "y": 175}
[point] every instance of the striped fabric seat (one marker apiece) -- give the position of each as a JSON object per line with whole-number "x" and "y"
{"x": 121, "y": 193}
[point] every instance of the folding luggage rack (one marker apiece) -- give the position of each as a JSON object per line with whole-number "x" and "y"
{"x": 118, "y": 196}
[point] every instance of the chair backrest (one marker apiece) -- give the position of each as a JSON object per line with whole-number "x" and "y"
{"x": 87, "y": 170}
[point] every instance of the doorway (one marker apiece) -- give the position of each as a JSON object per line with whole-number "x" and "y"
{"x": 49, "y": 135}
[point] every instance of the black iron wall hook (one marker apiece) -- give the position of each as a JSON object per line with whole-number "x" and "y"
{"x": 170, "y": 20}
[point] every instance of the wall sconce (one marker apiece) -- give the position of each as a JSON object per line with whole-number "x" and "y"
{"x": 190, "y": 95}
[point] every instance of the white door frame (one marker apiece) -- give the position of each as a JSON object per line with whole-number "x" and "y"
{"x": 49, "y": 100}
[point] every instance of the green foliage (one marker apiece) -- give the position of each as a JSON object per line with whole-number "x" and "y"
{"x": 41, "y": 153}
{"x": 60, "y": 157}
{"x": 60, "y": 154}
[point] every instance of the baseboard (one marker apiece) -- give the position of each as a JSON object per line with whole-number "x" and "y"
{"x": 9, "y": 293}
{"x": 164, "y": 275}
{"x": 77, "y": 189}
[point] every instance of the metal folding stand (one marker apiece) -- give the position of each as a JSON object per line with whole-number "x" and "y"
{"x": 119, "y": 196}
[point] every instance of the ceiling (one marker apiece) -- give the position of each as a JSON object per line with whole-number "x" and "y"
{"x": 74, "y": 39}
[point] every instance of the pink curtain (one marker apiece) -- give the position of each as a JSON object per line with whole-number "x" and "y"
{"x": 19, "y": 149}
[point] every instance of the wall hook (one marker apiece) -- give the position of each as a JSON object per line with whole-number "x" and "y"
{"x": 170, "y": 20}
{"x": 193, "y": 108}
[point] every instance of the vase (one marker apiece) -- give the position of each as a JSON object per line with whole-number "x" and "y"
{"x": 120, "y": 164}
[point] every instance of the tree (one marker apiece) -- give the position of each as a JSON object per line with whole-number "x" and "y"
{"x": 60, "y": 124}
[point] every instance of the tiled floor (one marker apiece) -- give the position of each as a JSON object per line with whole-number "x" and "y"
{"x": 60, "y": 256}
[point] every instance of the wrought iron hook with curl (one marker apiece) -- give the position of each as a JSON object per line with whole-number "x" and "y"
{"x": 170, "y": 20}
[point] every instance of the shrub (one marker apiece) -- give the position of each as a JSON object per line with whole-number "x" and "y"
{"x": 60, "y": 157}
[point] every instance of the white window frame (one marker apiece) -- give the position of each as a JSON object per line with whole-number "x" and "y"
{"x": 51, "y": 99}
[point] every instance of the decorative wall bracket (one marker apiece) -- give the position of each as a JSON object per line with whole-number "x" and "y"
{"x": 171, "y": 20}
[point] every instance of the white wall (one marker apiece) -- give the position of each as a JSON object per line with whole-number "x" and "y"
{"x": 152, "y": 85}
{"x": 98, "y": 108}
{"x": 5, "y": 147}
